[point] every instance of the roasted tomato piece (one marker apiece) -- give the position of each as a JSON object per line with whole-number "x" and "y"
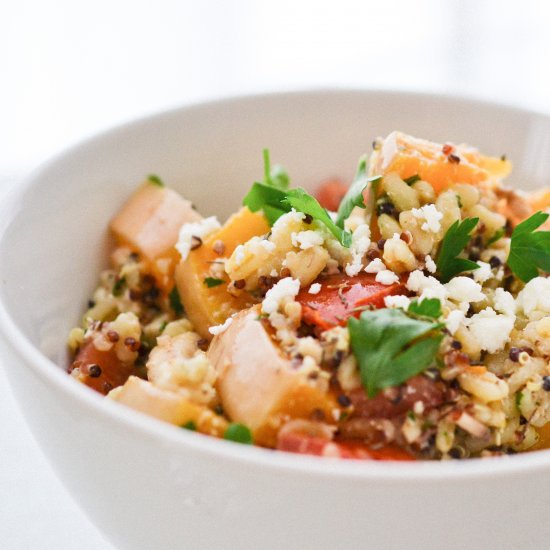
{"x": 100, "y": 370}
{"x": 342, "y": 297}
{"x": 305, "y": 444}
{"x": 330, "y": 194}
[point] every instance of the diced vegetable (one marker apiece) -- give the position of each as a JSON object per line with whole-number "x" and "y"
{"x": 317, "y": 446}
{"x": 208, "y": 305}
{"x": 342, "y": 297}
{"x": 100, "y": 370}
{"x": 440, "y": 165}
{"x": 330, "y": 194}
{"x": 149, "y": 224}
{"x": 257, "y": 384}
{"x": 168, "y": 406}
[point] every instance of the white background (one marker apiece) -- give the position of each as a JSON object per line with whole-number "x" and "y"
{"x": 69, "y": 69}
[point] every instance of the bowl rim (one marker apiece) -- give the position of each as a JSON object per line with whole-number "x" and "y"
{"x": 284, "y": 463}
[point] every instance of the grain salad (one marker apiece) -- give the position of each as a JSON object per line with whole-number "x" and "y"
{"x": 405, "y": 316}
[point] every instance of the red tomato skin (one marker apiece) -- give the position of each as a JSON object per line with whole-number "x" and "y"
{"x": 330, "y": 194}
{"x": 113, "y": 371}
{"x": 341, "y": 296}
{"x": 305, "y": 444}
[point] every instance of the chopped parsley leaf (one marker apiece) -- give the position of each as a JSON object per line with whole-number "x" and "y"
{"x": 498, "y": 234}
{"x": 529, "y": 249}
{"x": 354, "y": 196}
{"x": 428, "y": 307}
{"x": 155, "y": 180}
{"x": 277, "y": 176}
{"x": 212, "y": 282}
{"x": 454, "y": 242}
{"x": 274, "y": 199}
{"x": 275, "y": 202}
{"x": 175, "y": 301}
{"x": 190, "y": 426}
{"x": 412, "y": 179}
{"x": 391, "y": 347}
{"x": 304, "y": 202}
{"x": 118, "y": 287}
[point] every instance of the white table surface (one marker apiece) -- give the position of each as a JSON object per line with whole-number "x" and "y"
{"x": 39, "y": 513}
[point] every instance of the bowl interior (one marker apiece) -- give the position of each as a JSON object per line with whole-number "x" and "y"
{"x": 55, "y": 241}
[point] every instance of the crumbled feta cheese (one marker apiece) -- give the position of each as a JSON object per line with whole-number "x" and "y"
{"x": 283, "y": 290}
{"x": 218, "y": 329}
{"x": 196, "y": 229}
{"x": 464, "y": 289}
{"x": 504, "y": 302}
{"x": 426, "y": 287}
{"x": 361, "y": 237}
{"x": 375, "y": 266}
{"x": 430, "y": 264}
{"x": 307, "y": 239}
{"x": 239, "y": 254}
{"x": 431, "y": 215}
{"x": 454, "y": 319}
{"x": 359, "y": 245}
{"x": 535, "y": 297}
{"x": 397, "y": 301}
{"x": 268, "y": 246}
{"x": 355, "y": 266}
{"x": 484, "y": 273}
{"x": 386, "y": 277}
{"x": 315, "y": 288}
{"x": 491, "y": 330}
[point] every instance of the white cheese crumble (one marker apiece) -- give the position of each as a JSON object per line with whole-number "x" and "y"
{"x": 219, "y": 329}
{"x": 307, "y": 239}
{"x": 283, "y": 290}
{"x": 386, "y": 277}
{"x": 397, "y": 301}
{"x": 375, "y": 266}
{"x": 504, "y": 302}
{"x": 196, "y": 229}
{"x": 464, "y": 289}
{"x": 426, "y": 287}
{"x": 430, "y": 264}
{"x": 535, "y": 297}
{"x": 268, "y": 246}
{"x": 491, "y": 330}
{"x": 454, "y": 320}
{"x": 359, "y": 245}
{"x": 315, "y": 288}
{"x": 484, "y": 273}
{"x": 239, "y": 254}
{"x": 431, "y": 215}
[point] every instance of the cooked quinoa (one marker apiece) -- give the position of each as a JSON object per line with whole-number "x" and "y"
{"x": 411, "y": 323}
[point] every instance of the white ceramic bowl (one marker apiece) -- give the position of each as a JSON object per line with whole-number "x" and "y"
{"x": 149, "y": 485}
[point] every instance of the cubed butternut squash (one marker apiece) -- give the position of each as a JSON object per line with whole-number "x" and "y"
{"x": 208, "y": 306}
{"x": 257, "y": 384}
{"x": 168, "y": 406}
{"x": 149, "y": 224}
{"x": 440, "y": 165}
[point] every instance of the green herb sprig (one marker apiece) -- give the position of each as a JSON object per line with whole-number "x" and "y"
{"x": 454, "y": 242}
{"x": 212, "y": 282}
{"x": 275, "y": 201}
{"x": 428, "y": 307}
{"x": 391, "y": 347}
{"x": 529, "y": 249}
{"x": 354, "y": 196}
